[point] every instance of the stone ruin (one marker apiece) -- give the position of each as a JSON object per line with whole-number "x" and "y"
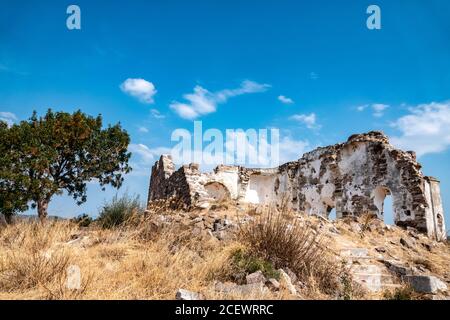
{"x": 353, "y": 178}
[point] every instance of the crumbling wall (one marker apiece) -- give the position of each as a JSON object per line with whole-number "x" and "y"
{"x": 352, "y": 177}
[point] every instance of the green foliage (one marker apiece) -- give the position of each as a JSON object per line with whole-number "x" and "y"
{"x": 60, "y": 151}
{"x": 83, "y": 220}
{"x": 347, "y": 284}
{"x": 244, "y": 263}
{"x": 119, "y": 211}
{"x": 13, "y": 196}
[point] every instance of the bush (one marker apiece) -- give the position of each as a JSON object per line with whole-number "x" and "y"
{"x": 287, "y": 242}
{"x": 120, "y": 211}
{"x": 83, "y": 220}
{"x": 243, "y": 263}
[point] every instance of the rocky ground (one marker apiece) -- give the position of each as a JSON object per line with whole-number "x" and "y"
{"x": 195, "y": 255}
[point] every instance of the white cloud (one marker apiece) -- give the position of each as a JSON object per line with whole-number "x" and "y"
{"x": 377, "y": 108}
{"x": 147, "y": 154}
{"x": 309, "y": 120}
{"x": 202, "y": 101}
{"x": 285, "y": 100}
{"x": 141, "y": 89}
{"x": 425, "y": 130}
{"x": 362, "y": 107}
{"x": 156, "y": 114}
{"x": 291, "y": 150}
{"x": 8, "y": 117}
{"x": 143, "y": 129}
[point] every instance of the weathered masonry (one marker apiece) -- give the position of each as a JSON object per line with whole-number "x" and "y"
{"x": 353, "y": 178}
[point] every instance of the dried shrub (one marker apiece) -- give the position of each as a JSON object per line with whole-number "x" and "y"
{"x": 28, "y": 270}
{"x": 404, "y": 292}
{"x": 366, "y": 221}
{"x": 288, "y": 242}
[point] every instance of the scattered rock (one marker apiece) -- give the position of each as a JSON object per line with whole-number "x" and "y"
{"x": 291, "y": 274}
{"x": 427, "y": 246}
{"x": 286, "y": 282}
{"x": 273, "y": 284}
{"x": 396, "y": 268}
{"x": 82, "y": 242}
{"x": 334, "y": 230}
{"x": 355, "y": 227}
{"x": 355, "y": 253}
{"x": 440, "y": 297}
{"x": 407, "y": 243}
{"x": 380, "y": 249}
{"x": 255, "y": 277}
{"x": 413, "y": 232}
{"x": 425, "y": 284}
{"x": 245, "y": 289}
{"x": 183, "y": 294}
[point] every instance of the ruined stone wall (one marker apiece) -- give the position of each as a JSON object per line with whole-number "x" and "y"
{"x": 352, "y": 177}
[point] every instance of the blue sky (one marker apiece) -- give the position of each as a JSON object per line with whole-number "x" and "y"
{"x": 310, "y": 68}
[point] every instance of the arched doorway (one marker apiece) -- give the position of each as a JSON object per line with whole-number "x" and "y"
{"x": 383, "y": 200}
{"x": 332, "y": 214}
{"x": 218, "y": 191}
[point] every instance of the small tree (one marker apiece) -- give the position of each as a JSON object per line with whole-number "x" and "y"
{"x": 13, "y": 196}
{"x": 60, "y": 151}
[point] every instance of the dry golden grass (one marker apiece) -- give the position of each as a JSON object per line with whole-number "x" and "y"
{"x": 145, "y": 261}
{"x": 114, "y": 264}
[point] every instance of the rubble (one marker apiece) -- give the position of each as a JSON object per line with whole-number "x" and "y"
{"x": 286, "y": 282}
{"x": 256, "y": 277}
{"x": 183, "y": 294}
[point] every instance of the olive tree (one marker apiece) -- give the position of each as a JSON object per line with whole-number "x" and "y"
{"x": 45, "y": 156}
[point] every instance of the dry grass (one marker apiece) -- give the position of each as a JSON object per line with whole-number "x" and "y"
{"x": 114, "y": 264}
{"x": 146, "y": 261}
{"x": 288, "y": 242}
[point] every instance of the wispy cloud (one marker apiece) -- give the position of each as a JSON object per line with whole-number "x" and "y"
{"x": 285, "y": 100}
{"x": 143, "y": 129}
{"x": 148, "y": 155}
{"x": 156, "y": 114}
{"x": 309, "y": 120}
{"x": 313, "y": 76}
{"x": 141, "y": 89}
{"x": 378, "y": 109}
{"x": 425, "y": 130}
{"x": 8, "y": 117}
{"x": 202, "y": 101}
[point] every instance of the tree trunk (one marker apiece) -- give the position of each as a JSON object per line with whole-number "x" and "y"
{"x": 8, "y": 218}
{"x": 42, "y": 206}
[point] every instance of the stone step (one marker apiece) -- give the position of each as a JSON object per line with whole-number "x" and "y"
{"x": 358, "y": 253}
